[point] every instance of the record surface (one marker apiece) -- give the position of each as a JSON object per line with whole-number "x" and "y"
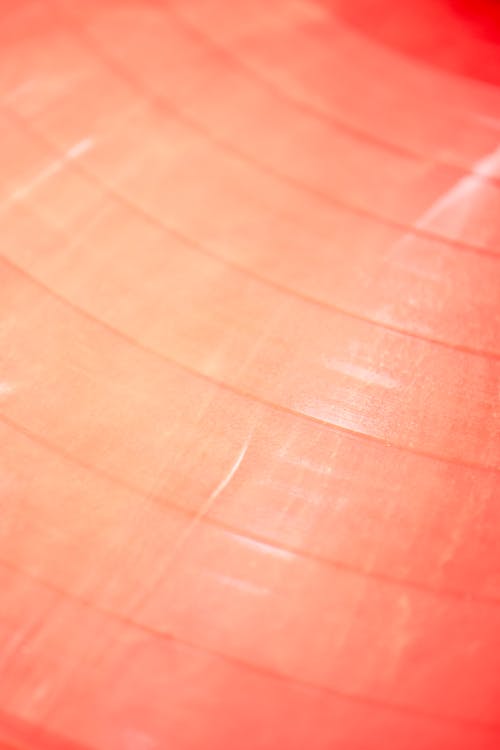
{"x": 249, "y": 375}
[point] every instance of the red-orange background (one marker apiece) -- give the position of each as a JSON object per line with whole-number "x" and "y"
{"x": 249, "y": 375}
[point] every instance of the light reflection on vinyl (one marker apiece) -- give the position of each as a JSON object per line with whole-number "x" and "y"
{"x": 249, "y": 375}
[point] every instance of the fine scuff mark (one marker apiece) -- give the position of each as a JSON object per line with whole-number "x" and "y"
{"x": 207, "y": 505}
{"x": 241, "y": 585}
{"x": 203, "y": 511}
{"x": 80, "y": 148}
{"x": 364, "y": 374}
{"x": 266, "y": 548}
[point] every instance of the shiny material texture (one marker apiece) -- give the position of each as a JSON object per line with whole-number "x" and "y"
{"x": 249, "y": 375}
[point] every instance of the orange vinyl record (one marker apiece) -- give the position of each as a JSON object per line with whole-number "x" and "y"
{"x": 249, "y": 375}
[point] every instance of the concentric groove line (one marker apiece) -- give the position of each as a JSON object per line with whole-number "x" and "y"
{"x": 175, "y": 113}
{"x": 266, "y": 672}
{"x": 241, "y": 393}
{"x": 245, "y": 271}
{"x": 299, "y": 553}
{"x": 419, "y": 62}
{"x": 308, "y": 108}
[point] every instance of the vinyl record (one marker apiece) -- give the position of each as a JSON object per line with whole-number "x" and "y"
{"x": 249, "y": 375}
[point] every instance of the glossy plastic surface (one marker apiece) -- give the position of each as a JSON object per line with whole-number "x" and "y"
{"x": 249, "y": 375}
